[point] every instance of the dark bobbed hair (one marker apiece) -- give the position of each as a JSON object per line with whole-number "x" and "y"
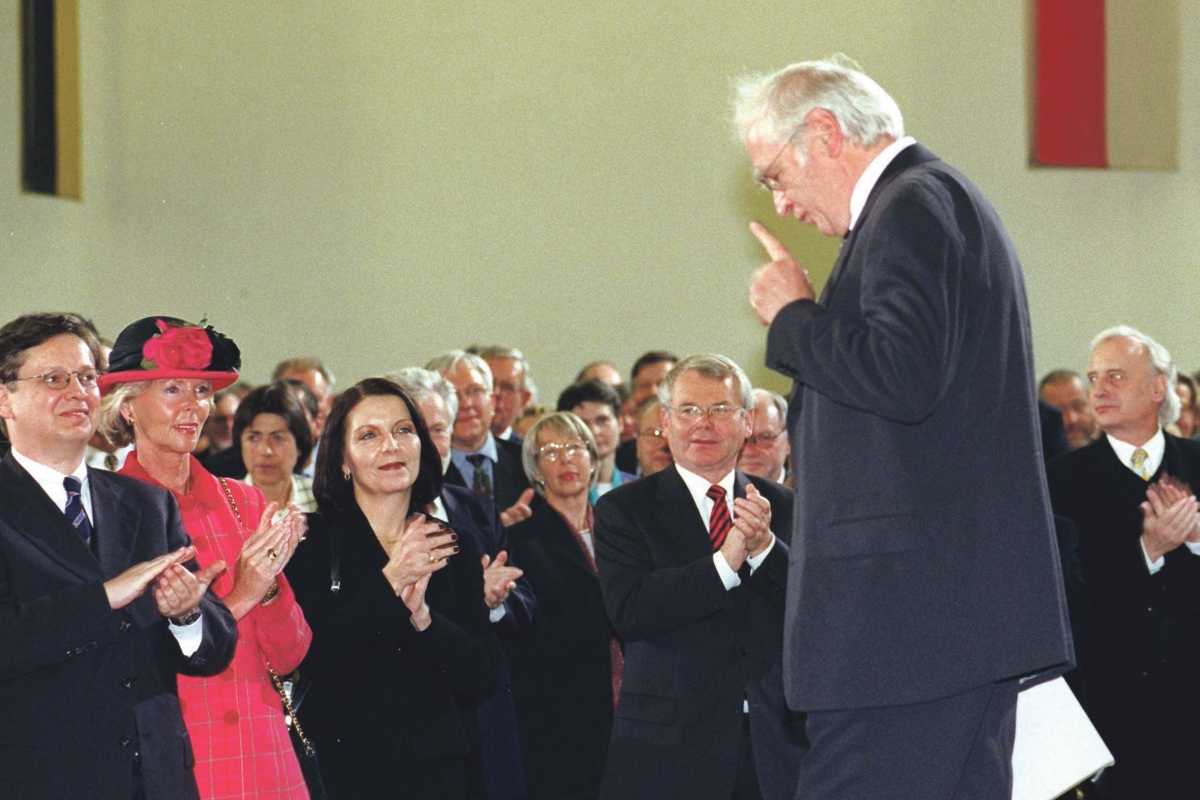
{"x": 593, "y": 390}
{"x": 275, "y": 398}
{"x": 329, "y": 486}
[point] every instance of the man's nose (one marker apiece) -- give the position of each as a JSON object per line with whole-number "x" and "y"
{"x": 783, "y": 206}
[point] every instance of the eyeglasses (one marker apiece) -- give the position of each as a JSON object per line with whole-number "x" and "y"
{"x": 553, "y": 452}
{"x": 59, "y": 380}
{"x": 721, "y": 412}
{"x": 653, "y": 433}
{"x": 763, "y": 439}
{"x": 764, "y": 178}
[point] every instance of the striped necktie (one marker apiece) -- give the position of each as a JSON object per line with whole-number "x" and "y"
{"x": 481, "y": 481}
{"x": 719, "y": 521}
{"x": 74, "y": 511}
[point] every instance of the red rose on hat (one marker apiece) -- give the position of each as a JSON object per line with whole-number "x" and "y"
{"x": 177, "y": 348}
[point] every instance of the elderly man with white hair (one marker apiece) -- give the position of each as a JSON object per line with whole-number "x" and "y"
{"x": 925, "y": 583}
{"x": 1131, "y": 494}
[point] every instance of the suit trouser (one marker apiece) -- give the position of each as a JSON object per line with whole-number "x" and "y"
{"x": 954, "y": 748}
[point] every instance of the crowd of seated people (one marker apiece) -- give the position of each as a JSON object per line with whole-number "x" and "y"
{"x": 416, "y": 555}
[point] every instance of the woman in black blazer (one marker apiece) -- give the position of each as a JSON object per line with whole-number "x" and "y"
{"x": 397, "y": 613}
{"x": 563, "y": 673}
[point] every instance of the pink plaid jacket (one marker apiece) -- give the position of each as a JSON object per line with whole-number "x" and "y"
{"x": 235, "y": 719}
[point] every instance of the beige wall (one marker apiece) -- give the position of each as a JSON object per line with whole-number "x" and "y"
{"x": 378, "y": 182}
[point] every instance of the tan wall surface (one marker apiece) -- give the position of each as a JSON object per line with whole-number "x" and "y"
{"x": 375, "y": 181}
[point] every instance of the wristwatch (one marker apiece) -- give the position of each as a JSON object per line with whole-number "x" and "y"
{"x": 186, "y": 620}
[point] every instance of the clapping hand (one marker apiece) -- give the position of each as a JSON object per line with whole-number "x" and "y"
{"x": 498, "y": 579}
{"x": 519, "y": 510}
{"x": 1170, "y": 516}
{"x": 263, "y": 556}
{"x": 753, "y": 517}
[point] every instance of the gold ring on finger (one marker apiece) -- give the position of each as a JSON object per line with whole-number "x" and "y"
{"x": 271, "y": 554}
{"x": 432, "y": 557}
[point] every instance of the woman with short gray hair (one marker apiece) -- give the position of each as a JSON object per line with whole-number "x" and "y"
{"x": 568, "y": 671}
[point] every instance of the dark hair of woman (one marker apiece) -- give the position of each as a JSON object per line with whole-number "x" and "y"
{"x": 331, "y": 488}
{"x": 275, "y": 398}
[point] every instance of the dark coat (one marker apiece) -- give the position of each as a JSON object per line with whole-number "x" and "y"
{"x": 382, "y": 710}
{"x": 1143, "y": 642}
{"x": 694, "y": 651}
{"x": 508, "y": 474}
{"x": 562, "y": 673}
{"x": 496, "y": 717}
{"x": 82, "y": 687}
{"x": 919, "y": 568}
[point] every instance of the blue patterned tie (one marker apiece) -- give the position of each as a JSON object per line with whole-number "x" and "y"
{"x": 75, "y": 512}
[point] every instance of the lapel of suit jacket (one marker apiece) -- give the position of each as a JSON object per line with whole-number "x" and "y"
{"x": 454, "y": 477}
{"x": 116, "y": 523}
{"x": 33, "y": 516}
{"x": 1175, "y": 462}
{"x": 908, "y": 157}
{"x": 679, "y": 517}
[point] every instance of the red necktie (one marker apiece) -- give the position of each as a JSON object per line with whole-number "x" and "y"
{"x": 719, "y": 521}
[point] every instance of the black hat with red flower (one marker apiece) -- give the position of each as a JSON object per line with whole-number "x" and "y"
{"x": 166, "y": 347}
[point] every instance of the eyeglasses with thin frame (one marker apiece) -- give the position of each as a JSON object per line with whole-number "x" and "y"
{"x": 764, "y": 178}
{"x": 763, "y": 439}
{"x": 58, "y": 379}
{"x": 553, "y": 452}
{"x": 653, "y": 433}
{"x": 721, "y": 412}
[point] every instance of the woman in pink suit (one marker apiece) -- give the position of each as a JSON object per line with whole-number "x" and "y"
{"x": 157, "y": 394}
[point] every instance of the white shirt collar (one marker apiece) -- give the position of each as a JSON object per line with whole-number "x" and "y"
{"x": 697, "y": 487}
{"x": 1154, "y": 452}
{"x": 51, "y": 481}
{"x": 866, "y": 181}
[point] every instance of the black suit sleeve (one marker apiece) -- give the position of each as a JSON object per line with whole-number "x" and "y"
{"x": 899, "y": 358}
{"x": 643, "y": 599}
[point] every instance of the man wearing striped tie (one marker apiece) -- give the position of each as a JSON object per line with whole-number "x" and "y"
{"x": 99, "y": 608}
{"x": 1131, "y": 494}
{"x": 693, "y": 566}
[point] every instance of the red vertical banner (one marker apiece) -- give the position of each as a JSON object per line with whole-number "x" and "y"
{"x": 1069, "y": 110}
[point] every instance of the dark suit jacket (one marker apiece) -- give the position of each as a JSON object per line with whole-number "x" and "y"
{"x": 919, "y": 568}
{"x": 562, "y": 673}
{"x": 1143, "y": 641}
{"x": 508, "y": 475}
{"x": 82, "y": 686}
{"x": 496, "y": 717}
{"x": 382, "y": 709}
{"x": 693, "y": 650}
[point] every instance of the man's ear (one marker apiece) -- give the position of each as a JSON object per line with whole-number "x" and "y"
{"x": 1160, "y": 388}
{"x": 824, "y": 131}
{"x": 5, "y": 402}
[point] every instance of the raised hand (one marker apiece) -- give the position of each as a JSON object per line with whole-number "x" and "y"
{"x": 130, "y": 584}
{"x": 263, "y": 556}
{"x": 421, "y": 550}
{"x": 519, "y": 510}
{"x": 1166, "y": 524}
{"x": 179, "y": 591}
{"x": 413, "y": 596}
{"x": 498, "y": 579}
{"x": 752, "y": 515}
{"x": 778, "y": 282}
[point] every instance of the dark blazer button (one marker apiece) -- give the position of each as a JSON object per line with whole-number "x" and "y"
{"x": 743, "y": 651}
{"x": 124, "y": 626}
{"x": 126, "y": 741}
{"x": 127, "y": 683}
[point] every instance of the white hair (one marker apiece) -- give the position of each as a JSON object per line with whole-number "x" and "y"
{"x": 444, "y": 362}
{"x": 779, "y": 103}
{"x": 710, "y": 365}
{"x": 1160, "y": 363}
{"x": 420, "y": 383}
{"x": 775, "y": 399}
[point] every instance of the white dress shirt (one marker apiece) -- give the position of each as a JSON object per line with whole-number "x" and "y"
{"x": 866, "y": 182}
